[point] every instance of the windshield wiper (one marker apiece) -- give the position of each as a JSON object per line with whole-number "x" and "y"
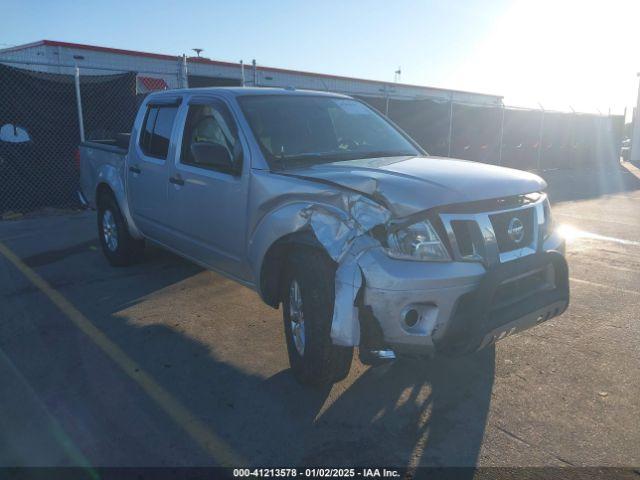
{"x": 348, "y": 155}
{"x": 327, "y": 157}
{"x": 287, "y": 159}
{"x": 386, "y": 153}
{"x": 306, "y": 157}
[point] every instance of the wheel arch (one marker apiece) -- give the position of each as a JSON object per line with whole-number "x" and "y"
{"x": 103, "y": 189}
{"x": 274, "y": 261}
{"x": 110, "y": 183}
{"x": 278, "y": 231}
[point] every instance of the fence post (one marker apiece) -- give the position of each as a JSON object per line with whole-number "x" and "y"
{"x": 386, "y": 101}
{"x": 255, "y": 73}
{"x": 540, "y": 139}
{"x": 450, "y": 125}
{"x": 184, "y": 74}
{"x": 635, "y": 134}
{"x": 79, "y": 104}
{"x": 501, "y": 135}
{"x": 241, "y": 73}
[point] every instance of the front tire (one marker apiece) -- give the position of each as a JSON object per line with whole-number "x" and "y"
{"x": 308, "y": 298}
{"x": 118, "y": 246}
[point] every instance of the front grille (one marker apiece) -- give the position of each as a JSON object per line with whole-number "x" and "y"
{"x": 493, "y": 237}
{"x": 508, "y": 241}
{"x": 468, "y": 236}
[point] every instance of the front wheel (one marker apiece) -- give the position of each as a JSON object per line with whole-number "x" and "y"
{"x": 118, "y": 245}
{"x": 308, "y": 297}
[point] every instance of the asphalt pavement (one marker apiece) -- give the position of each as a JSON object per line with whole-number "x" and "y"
{"x": 163, "y": 363}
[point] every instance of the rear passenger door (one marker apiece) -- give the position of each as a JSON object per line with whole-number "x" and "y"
{"x": 147, "y": 170}
{"x": 209, "y": 201}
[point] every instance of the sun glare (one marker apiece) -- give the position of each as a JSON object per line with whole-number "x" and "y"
{"x": 567, "y": 54}
{"x": 571, "y": 234}
{"x": 568, "y": 232}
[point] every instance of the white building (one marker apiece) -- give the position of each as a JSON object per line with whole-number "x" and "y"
{"x": 157, "y": 71}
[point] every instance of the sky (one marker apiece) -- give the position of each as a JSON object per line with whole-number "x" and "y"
{"x": 558, "y": 54}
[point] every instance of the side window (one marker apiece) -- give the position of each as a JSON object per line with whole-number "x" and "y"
{"x": 156, "y": 130}
{"x": 210, "y": 138}
{"x": 147, "y": 128}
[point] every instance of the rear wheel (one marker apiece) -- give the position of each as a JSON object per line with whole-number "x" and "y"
{"x": 118, "y": 245}
{"x": 308, "y": 297}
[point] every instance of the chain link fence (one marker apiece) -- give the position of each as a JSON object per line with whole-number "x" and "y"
{"x": 46, "y": 109}
{"x": 526, "y": 139}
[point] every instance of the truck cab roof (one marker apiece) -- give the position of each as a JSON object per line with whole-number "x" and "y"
{"x": 246, "y": 91}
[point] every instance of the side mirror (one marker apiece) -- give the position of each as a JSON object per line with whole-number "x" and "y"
{"x": 209, "y": 154}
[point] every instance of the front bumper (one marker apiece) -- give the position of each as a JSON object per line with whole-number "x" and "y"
{"x": 457, "y": 307}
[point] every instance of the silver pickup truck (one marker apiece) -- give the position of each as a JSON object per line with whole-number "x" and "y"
{"x": 321, "y": 204}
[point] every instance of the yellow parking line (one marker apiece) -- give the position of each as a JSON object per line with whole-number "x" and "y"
{"x": 208, "y": 441}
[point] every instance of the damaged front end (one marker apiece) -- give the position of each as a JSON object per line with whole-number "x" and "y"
{"x": 414, "y": 287}
{"x": 349, "y": 234}
{"x": 346, "y": 238}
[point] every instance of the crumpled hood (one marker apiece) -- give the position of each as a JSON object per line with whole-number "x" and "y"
{"x": 409, "y": 185}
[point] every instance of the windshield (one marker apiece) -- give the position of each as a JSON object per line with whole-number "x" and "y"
{"x": 293, "y": 130}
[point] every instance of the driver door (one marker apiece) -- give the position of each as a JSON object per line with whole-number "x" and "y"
{"x": 208, "y": 199}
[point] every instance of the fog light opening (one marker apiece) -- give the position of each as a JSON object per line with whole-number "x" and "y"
{"x": 411, "y": 317}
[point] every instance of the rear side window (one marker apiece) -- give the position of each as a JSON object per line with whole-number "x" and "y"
{"x": 156, "y": 130}
{"x": 147, "y": 129}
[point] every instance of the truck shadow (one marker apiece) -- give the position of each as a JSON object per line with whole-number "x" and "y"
{"x": 402, "y": 414}
{"x": 410, "y": 413}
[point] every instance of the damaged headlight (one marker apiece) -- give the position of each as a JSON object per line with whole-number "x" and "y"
{"x": 417, "y": 242}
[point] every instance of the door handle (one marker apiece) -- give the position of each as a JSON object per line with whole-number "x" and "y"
{"x": 176, "y": 180}
{"x": 135, "y": 169}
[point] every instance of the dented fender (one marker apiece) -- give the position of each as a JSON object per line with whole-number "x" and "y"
{"x": 273, "y": 226}
{"x": 346, "y": 239}
{"x": 341, "y": 225}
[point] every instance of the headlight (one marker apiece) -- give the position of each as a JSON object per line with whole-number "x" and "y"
{"x": 417, "y": 242}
